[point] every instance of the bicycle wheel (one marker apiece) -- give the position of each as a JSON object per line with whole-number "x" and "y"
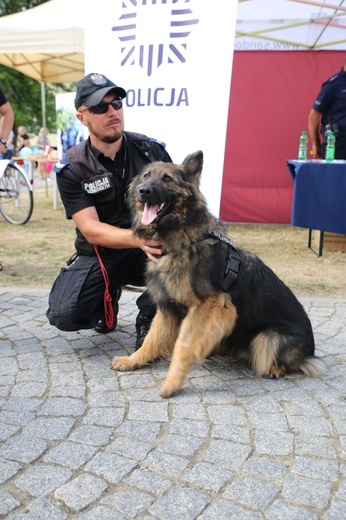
{"x": 16, "y": 196}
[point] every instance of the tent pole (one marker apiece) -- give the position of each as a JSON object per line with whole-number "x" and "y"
{"x": 43, "y": 105}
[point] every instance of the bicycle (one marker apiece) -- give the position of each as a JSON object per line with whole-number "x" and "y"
{"x": 16, "y": 193}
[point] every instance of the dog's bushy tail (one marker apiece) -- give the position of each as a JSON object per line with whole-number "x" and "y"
{"x": 264, "y": 349}
{"x": 313, "y": 367}
{"x": 274, "y": 354}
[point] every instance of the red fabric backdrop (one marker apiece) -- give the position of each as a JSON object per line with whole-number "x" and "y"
{"x": 271, "y": 96}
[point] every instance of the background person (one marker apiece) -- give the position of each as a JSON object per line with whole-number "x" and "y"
{"x": 329, "y": 109}
{"x": 9, "y": 148}
{"x": 24, "y": 152}
{"x": 6, "y": 121}
{"x": 93, "y": 185}
{"x": 22, "y": 135}
{"x": 42, "y": 143}
{"x": 70, "y": 137}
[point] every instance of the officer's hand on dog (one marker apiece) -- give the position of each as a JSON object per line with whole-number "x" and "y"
{"x": 152, "y": 248}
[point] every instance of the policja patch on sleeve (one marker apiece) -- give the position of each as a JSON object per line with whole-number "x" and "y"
{"x": 98, "y": 183}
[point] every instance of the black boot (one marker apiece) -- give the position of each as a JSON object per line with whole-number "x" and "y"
{"x": 101, "y": 327}
{"x": 142, "y": 328}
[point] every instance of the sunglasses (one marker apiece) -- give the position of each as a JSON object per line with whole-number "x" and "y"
{"x": 102, "y": 108}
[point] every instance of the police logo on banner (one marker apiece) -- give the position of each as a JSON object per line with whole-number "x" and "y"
{"x": 169, "y": 42}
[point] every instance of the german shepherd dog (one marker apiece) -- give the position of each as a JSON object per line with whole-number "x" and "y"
{"x": 211, "y": 296}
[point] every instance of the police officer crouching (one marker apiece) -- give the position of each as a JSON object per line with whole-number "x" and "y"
{"x": 93, "y": 182}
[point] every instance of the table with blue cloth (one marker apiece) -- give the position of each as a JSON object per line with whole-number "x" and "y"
{"x": 319, "y": 196}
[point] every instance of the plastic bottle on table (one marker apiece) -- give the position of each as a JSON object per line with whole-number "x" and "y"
{"x": 303, "y": 146}
{"x": 330, "y": 148}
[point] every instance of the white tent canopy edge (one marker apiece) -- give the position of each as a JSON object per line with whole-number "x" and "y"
{"x": 291, "y": 25}
{"x": 46, "y": 43}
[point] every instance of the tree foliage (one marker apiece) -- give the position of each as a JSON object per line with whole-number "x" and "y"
{"x": 15, "y": 6}
{"x": 24, "y": 93}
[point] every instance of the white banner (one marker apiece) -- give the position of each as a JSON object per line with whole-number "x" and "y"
{"x": 174, "y": 58}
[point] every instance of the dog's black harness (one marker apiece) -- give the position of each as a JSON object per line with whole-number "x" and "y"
{"x": 233, "y": 262}
{"x": 231, "y": 271}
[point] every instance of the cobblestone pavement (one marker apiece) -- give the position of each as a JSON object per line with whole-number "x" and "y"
{"x": 78, "y": 440}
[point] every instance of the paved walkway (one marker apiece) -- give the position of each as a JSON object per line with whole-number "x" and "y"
{"x": 78, "y": 440}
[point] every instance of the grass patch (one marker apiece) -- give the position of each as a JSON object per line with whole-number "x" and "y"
{"x": 33, "y": 254}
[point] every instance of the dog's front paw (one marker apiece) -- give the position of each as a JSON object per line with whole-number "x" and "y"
{"x": 167, "y": 390}
{"x": 123, "y": 363}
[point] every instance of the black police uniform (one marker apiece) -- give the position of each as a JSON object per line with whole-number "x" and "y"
{"x": 331, "y": 102}
{"x": 76, "y": 298}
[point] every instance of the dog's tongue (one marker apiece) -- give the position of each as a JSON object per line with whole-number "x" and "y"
{"x": 149, "y": 213}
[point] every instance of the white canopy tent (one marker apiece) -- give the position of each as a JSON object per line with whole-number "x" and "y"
{"x": 46, "y": 42}
{"x": 291, "y": 25}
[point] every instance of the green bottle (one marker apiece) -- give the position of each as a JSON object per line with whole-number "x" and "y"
{"x": 303, "y": 146}
{"x": 330, "y": 149}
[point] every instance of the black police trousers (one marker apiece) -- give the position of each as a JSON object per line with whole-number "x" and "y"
{"x": 76, "y": 300}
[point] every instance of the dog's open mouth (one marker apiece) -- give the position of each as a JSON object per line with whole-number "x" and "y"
{"x": 153, "y": 211}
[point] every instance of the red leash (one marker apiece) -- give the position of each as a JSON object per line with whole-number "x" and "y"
{"x": 107, "y": 299}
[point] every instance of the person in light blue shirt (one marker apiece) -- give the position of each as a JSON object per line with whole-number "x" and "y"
{"x": 24, "y": 152}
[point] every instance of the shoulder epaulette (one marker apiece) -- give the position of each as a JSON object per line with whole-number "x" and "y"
{"x": 61, "y": 165}
{"x": 161, "y": 143}
{"x": 333, "y": 78}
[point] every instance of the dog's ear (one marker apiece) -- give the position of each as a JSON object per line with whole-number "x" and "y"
{"x": 193, "y": 164}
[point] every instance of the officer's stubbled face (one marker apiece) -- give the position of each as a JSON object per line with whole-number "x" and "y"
{"x": 107, "y": 127}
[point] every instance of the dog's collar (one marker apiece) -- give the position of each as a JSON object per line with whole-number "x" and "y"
{"x": 222, "y": 238}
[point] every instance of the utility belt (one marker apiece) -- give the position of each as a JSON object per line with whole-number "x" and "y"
{"x": 88, "y": 252}
{"x": 338, "y": 131}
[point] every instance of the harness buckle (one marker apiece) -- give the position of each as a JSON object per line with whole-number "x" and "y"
{"x": 233, "y": 264}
